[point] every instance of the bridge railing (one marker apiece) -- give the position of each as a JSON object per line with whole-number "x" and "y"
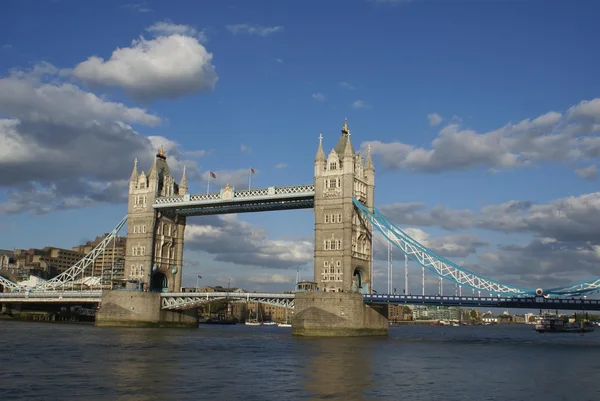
{"x": 260, "y": 193}
{"x": 51, "y": 294}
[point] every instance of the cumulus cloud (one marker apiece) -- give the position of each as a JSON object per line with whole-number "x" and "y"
{"x": 346, "y": 85}
{"x": 232, "y": 240}
{"x": 460, "y": 245}
{"x": 166, "y": 67}
{"x": 565, "y": 246}
{"x": 63, "y": 147}
{"x": 551, "y": 137}
{"x": 250, "y": 29}
{"x": 543, "y": 262}
{"x": 434, "y": 119}
{"x": 167, "y": 28}
{"x": 571, "y": 219}
{"x": 280, "y": 165}
{"x": 318, "y": 96}
{"x": 589, "y": 172}
{"x": 138, "y": 7}
{"x": 360, "y": 104}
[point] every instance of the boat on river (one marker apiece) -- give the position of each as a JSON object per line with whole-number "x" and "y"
{"x": 551, "y": 323}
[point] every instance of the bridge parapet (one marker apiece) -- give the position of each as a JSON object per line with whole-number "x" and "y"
{"x": 230, "y": 194}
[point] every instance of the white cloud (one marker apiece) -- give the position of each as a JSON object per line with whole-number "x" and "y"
{"x": 571, "y": 219}
{"x": 589, "y": 172}
{"x": 139, "y": 7}
{"x": 64, "y": 148}
{"x": 253, "y": 29}
{"x": 280, "y": 165}
{"x": 346, "y": 85}
{"x": 24, "y": 95}
{"x": 245, "y": 148}
{"x": 167, "y": 28}
{"x": 235, "y": 241}
{"x": 318, "y": 96}
{"x": 460, "y": 245}
{"x": 360, "y": 104}
{"x": 279, "y": 60}
{"x": 165, "y": 67}
{"x": 434, "y": 119}
{"x": 551, "y": 137}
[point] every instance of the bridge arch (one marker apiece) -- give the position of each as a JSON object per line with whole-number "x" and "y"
{"x": 159, "y": 282}
{"x": 359, "y": 282}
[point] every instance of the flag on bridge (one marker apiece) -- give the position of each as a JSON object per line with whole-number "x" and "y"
{"x": 212, "y": 174}
{"x": 252, "y": 170}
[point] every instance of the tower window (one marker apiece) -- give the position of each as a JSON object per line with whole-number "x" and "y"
{"x": 339, "y": 218}
{"x": 326, "y": 218}
{"x": 338, "y": 182}
{"x": 333, "y": 166}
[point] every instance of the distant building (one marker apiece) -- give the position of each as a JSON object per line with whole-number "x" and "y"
{"x": 436, "y": 313}
{"x": 47, "y": 262}
{"x": 111, "y": 261}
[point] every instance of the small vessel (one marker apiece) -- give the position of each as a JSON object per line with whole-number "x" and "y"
{"x": 269, "y": 323}
{"x": 254, "y": 321}
{"x": 552, "y": 323}
{"x": 284, "y": 325}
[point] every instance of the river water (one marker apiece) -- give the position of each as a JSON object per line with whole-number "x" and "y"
{"x": 504, "y": 362}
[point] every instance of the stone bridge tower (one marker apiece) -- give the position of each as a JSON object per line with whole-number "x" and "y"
{"x": 343, "y": 241}
{"x": 154, "y": 253}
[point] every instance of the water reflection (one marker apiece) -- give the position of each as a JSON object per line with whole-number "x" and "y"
{"x": 340, "y": 368}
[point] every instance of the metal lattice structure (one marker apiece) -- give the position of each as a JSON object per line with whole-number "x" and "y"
{"x": 78, "y": 268}
{"x": 7, "y": 284}
{"x": 458, "y": 274}
{"x": 189, "y": 300}
{"x": 230, "y": 201}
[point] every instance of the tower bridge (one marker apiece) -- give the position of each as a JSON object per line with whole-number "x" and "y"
{"x": 342, "y": 197}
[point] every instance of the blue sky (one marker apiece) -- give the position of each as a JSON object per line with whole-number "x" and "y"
{"x": 468, "y": 106}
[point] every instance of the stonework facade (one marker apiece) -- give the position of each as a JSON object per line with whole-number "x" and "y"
{"x": 343, "y": 242}
{"x": 154, "y": 254}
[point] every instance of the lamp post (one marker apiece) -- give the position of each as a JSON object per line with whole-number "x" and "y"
{"x": 198, "y": 283}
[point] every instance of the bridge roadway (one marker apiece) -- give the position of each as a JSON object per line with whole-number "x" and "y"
{"x": 228, "y": 200}
{"x": 488, "y": 302}
{"x": 189, "y": 300}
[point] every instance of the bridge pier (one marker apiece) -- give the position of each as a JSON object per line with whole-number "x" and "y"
{"x": 336, "y": 314}
{"x": 140, "y": 309}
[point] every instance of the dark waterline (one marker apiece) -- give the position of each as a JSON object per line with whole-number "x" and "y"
{"x": 503, "y": 362}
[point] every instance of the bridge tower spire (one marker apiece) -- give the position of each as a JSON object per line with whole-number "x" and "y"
{"x": 154, "y": 254}
{"x": 343, "y": 239}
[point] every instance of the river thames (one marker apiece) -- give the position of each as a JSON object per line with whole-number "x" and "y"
{"x": 502, "y": 362}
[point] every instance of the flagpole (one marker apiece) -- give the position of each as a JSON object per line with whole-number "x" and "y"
{"x": 208, "y": 183}
{"x": 250, "y": 180}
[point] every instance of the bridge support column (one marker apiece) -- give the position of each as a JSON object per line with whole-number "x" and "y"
{"x": 140, "y": 309}
{"x": 335, "y": 314}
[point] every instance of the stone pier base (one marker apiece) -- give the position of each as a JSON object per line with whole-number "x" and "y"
{"x": 335, "y": 314}
{"x": 140, "y": 309}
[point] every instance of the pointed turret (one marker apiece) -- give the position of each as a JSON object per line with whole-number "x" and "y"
{"x": 320, "y": 152}
{"x": 369, "y": 161}
{"x": 134, "y": 173}
{"x": 183, "y": 185}
{"x": 344, "y": 145}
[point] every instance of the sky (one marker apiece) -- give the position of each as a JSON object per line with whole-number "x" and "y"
{"x": 483, "y": 119}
